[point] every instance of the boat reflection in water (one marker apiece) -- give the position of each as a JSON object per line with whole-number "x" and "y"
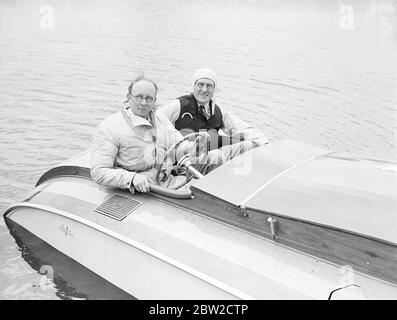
{"x": 286, "y": 220}
{"x": 70, "y": 279}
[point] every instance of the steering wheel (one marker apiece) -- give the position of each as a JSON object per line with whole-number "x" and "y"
{"x": 184, "y": 165}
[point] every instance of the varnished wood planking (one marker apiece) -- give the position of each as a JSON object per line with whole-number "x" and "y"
{"x": 64, "y": 171}
{"x": 366, "y": 255}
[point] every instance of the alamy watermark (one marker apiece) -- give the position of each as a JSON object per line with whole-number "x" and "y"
{"x": 46, "y": 279}
{"x": 346, "y": 21}
{"x": 347, "y": 286}
{"x": 47, "y": 17}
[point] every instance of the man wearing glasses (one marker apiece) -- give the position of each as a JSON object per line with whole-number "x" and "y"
{"x": 129, "y": 144}
{"x": 198, "y": 111}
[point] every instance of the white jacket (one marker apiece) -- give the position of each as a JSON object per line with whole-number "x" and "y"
{"x": 124, "y": 144}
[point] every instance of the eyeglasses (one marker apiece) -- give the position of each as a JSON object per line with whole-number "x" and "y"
{"x": 139, "y": 98}
{"x": 200, "y": 85}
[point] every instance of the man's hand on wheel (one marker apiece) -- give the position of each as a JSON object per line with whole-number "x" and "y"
{"x": 141, "y": 183}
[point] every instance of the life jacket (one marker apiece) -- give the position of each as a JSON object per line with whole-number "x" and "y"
{"x": 190, "y": 120}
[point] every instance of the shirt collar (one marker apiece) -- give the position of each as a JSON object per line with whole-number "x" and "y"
{"x": 139, "y": 121}
{"x": 208, "y": 106}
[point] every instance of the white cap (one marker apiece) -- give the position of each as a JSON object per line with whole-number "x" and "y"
{"x": 204, "y": 73}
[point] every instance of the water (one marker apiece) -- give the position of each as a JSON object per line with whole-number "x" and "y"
{"x": 316, "y": 71}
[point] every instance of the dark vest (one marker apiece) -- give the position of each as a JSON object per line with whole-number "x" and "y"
{"x": 190, "y": 120}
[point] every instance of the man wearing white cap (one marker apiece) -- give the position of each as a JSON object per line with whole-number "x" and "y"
{"x": 198, "y": 111}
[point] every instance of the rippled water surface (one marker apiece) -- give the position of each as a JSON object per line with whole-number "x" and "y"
{"x": 315, "y": 71}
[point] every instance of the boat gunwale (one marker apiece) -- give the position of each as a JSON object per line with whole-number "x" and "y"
{"x": 64, "y": 171}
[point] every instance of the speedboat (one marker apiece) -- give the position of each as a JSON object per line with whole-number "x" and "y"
{"x": 286, "y": 220}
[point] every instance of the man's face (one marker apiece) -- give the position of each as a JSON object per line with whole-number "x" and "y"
{"x": 146, "y": 92}
{"x": 204, "y": 90}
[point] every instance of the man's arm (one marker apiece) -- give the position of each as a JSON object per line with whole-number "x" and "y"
{"x": 104, "y": 150}
{"x": 171, "y": 111}
{"x": 234, "y": 126}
